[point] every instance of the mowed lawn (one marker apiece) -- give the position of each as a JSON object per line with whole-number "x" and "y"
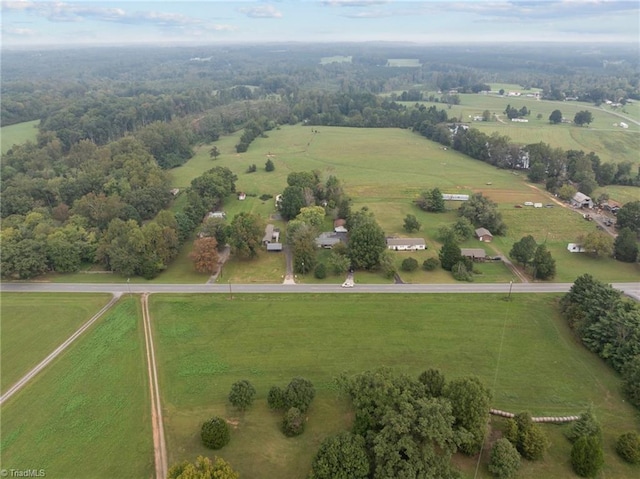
{"x": 205, "y": 343}
{"x": 34, "y": 324}
{"x": 18, "y": 134}
{"x": 87, "y": 414}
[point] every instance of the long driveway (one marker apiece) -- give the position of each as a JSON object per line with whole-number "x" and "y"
{"x": 630, "y": 289}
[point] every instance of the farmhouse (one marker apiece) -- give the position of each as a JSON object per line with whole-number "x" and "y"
{"x": 406, "y": 244}
{"x": 330, "y": 238}
{"x": 575, "y": 248}
{"x": 476, "y": 254}
{"x": 580, "y": 200}
{"x": 484, "y": 235}
{"x": 271, "y": 235}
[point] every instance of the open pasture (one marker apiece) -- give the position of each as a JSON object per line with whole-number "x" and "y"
{"x": 18, "y": 134}
{"x": 33, "y": 325}
{"x": 87, "y": 414}
{"x": 336, "y": 59}
{"x": 206, "y": 343}
{"x": 611, "y": 143}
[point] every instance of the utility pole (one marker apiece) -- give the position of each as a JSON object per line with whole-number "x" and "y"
{"x": 230, "y": 292}
{"x": 510, "y": 287}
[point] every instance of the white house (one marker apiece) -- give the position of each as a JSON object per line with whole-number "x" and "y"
{"x": 406, "y": 244}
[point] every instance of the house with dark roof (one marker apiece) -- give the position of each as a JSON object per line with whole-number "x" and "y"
{"x": 329, "y": 239}
{"x": 406, "y": 244}
{"x": 484, "y": 235}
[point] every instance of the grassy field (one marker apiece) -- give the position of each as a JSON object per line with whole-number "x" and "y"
{"x": 336, "y": 59}
{"x": 87, "y": 414}
{"x": 18, "y": 134}
{"x": 204, "y": 344}
{"x": 33, "y": 325}
{"x": 611, "y": 143}
{"x": 404, "y": 62}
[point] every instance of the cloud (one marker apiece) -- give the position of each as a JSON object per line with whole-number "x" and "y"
{"x": 75, "y": 12}
{"x": 353, "y": 3}
{"x": 262, "y": 11}
{"x": 18, "y": 32}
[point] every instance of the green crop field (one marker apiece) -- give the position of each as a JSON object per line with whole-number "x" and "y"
{"x": 18, "y": 134}
{"x": 33, "y": 325}
{"x": 205, "y": 343}
{"x": 87, "y": 414}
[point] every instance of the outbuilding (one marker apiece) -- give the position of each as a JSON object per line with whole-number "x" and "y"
{"x": 484, "y": 235}
{"x": 580, "y": 200}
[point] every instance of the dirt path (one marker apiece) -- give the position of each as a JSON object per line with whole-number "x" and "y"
{"x": 289, "y": 277}
{"x": 159, "y": 444}
{"x": 222, "y": 259}
{"x": 56, "y": 352}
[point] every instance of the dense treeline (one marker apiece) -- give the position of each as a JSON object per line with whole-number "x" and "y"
{"x": 609, "y": 326}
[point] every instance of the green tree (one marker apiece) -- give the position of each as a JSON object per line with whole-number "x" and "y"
{"x": 566, "y": 192}
{"x": 312, "y": 215}
{"x": 505, "y": 459}
{"x": 583, "y": 117}
{"x": 625, "y": 246}
{"x": 586, "y": 425}
{"x": 431, "y": 200}
{"x": 598, "y": 243}
{"x": 276, "y": 398}
{"x": 462, "y": 229}
{"x": 215, "y": 228}
{"x": 205, "y": 255}
{"x": 321, "y": 271}
{"x": 343, "y": 456}
{"x": 203, "y": 468}
{"x": 528, "y": 437}
{"x": 339, "y": 262}
{"x": 631, "y": 380}
{"x": 245, "y": 234}
{"x": 587, "y": 456}
{"x": 629, "y": 216}
{"x": 411, "y": 224}
{"x": 482, "y": 212}
{"x": 299, "y": 394}
{"x": 292, "y": 202}
{"x": 269, "y": 166}
{"x": 628, "y": 447}
{"x": 214, "y": 153}
{"x": 544, "y": 266}
{"x": 366, "y": 241}
{"x": 387, "y": 264}
{"x": 293, "y": 422}
{"x": 409, "y": 264}
{"x": 434, "y": 382}
{"x": 470, "y": 402}
{"x": 242, "y": 394}
{"x": 215, "y": 433}
{"x": 523, "y": 251}
{"x": 449, "y": 254}
{"x": 430, "y": 264}
{"x": 304, "y": 249}
{"x": 555, "y": 117}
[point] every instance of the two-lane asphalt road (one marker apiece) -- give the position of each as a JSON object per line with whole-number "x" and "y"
{"x": 630, "y": 289}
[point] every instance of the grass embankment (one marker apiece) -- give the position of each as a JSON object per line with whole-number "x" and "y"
{"x": 204, "y": 344}
{"x": 18, "y": 134}
{"x": 87, "y": 414}
{"x": 34, "y": 324}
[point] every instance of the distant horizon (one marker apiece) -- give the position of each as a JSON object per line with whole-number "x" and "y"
{"x": 29, "y": 23}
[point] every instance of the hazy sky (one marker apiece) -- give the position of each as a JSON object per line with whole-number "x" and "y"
{"x": 32, "y": 22}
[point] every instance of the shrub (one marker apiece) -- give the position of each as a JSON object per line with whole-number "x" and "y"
{"x": 321, "y": 271}
{"x": 252, "y": 168}
{"x": 587, "y": 457}
{"x": 269, "y": 166}
{"x": 628, "y": 447}
{"x": 409, "y": 264}
{"x": 430, "y": 264}
{"x": 586, "y": 425}
{"x": 533, "y": 442}
{"x": 461, "y": 273}
{"x": 215, "y": 433}
{"x": 242, "y": 394}
{"x": 631, "y": 380}
{"x": 505, "y": 460}
{"x": 293, "y": 422}
{"x": 266, "y": 197}
{"x": 275, "y": 398}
